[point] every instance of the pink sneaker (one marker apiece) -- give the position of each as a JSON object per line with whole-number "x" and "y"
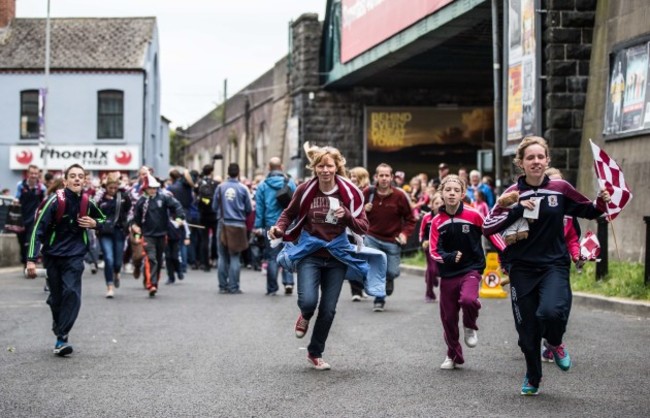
{"x": 318, "y": 363}
{"x": 302, "y": 325}
{"x": 547, "y": 355}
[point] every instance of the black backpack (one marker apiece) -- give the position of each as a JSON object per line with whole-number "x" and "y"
{"x": 284, "y": 194}
{"x": 207, "y": 186}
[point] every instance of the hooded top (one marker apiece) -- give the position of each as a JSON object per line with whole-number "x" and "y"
{"x": 268, "y": 209}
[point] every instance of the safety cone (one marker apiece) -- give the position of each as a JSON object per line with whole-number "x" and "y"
{"x": 492, "y": 281}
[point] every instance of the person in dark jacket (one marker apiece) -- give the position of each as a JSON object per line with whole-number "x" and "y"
{"x": 64, "y": 246}
{"x": 150, "y": 221}
{"x": 539, "y": 264}
{"x": 207, "y": 247}
{"x": 116, "y": 205}
{"x": 30, "y": 193}
{"x": 455, "y": 244}
{"x": 267, "y": 212}
{"x": 182, "y": 189}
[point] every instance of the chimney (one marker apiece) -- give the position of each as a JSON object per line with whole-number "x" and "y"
{"x": 7, "y": 12}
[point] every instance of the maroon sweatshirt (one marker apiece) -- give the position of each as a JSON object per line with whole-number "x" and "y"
{"x": 390, "y": 215}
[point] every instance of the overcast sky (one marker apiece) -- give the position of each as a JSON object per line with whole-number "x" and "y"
{"x": 202, "y": 42}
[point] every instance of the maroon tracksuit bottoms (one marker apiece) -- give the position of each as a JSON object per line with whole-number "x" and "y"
{"x": 456, "y": 293}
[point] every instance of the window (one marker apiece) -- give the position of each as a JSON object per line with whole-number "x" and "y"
{"x": 29, "y": 114}
{"x": 110, "y": 114}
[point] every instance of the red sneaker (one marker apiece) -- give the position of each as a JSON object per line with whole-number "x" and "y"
{"x": 302, "y": 325}
{"x": 318, "y": 363}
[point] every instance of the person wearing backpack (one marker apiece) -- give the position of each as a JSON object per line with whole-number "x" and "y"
{"x": 62, "y": 224}
{"x": 207, "y": 216}
{"x": 30, "y": 193}
{"x": 267, "y": 211}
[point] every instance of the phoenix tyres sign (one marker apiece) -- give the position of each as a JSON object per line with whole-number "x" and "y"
{"x": 106, "y": 157}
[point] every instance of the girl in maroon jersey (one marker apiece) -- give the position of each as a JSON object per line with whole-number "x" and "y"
{"x": 455, "y": 243}
{"x": 431, "y": 274}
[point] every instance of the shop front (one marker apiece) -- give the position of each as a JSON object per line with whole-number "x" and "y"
{"x": 97, "y": 159}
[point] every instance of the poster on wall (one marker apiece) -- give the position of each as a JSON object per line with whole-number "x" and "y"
{"x": 627, "y": 109}
{"x": 521, "y": 105}
{"x": 416, "y": 139}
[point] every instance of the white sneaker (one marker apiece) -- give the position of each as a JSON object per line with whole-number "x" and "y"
{"x": 448, "y": 364}
{"x": 471, "y": 337}
{"x": 110, "y": 293}
{"x": 356, "y": 298}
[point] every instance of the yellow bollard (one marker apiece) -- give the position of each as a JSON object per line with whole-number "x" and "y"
{"x": 491, "y": 283}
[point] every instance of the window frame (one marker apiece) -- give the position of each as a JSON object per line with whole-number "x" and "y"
{"x": 26, "y": 135}
{"x": 103, "y": 116}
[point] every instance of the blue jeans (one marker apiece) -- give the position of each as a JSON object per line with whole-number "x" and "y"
{"x": 113, "y": 249}
{"x": 393, "y": 258}
{"x": 328, "y": 274}
{"x": 228, "y": 266}
{"x": 272, "y": 268}
{"x": 186, "y": 255}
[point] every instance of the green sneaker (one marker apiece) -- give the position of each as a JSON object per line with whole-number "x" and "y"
{"x": 529, "y": 390}
{"x": 561, "y": 356}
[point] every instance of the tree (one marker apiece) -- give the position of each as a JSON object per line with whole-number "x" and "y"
{"x": 177, "y": 144}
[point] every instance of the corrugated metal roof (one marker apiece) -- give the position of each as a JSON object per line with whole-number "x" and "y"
{"x": 77, "y": 43}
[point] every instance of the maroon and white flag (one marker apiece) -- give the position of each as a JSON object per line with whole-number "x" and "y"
{"x": 610, "y": 176}
{"x": 589, "y": 247}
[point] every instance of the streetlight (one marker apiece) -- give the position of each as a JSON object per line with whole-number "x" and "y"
{"x": 42, "y": 96}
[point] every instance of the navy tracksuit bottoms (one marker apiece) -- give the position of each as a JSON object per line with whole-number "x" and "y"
{"x": 541, "y": 303}
{"x": 64, "y": 281}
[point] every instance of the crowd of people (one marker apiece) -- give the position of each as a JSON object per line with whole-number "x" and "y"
{"x": 338, "y": 224}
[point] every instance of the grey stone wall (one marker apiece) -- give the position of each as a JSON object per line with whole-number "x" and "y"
{"x": 567, "y": 32}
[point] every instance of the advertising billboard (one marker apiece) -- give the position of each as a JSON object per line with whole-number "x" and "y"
{"x": 522, "y": 99}
{"x": 367, "y": 23}
{"x": 627, "y": 110}
{"x": 421, "y": 137}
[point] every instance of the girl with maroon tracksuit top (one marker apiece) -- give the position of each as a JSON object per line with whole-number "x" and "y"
{"x": 455, "y": 243}
{"x": 539, "y": 265}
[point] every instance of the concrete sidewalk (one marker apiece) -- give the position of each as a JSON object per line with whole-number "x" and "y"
{"x": 613, "y": 304}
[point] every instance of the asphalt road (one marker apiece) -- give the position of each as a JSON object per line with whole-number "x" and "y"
{"x": 192, "y": 352}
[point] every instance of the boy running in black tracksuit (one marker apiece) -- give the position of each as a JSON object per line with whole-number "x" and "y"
{"x": 150, "y": 219}
{"x": 65, "y": 242}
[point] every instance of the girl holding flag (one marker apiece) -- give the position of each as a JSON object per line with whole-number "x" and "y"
{"x": 539, "y": 273}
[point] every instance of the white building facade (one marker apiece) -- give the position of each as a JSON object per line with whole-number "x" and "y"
{"x": 102, "y": 107}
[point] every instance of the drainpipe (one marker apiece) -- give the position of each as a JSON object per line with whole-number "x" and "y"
{"x": 143, "y": 159}
{"x": 496, "y": 66}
